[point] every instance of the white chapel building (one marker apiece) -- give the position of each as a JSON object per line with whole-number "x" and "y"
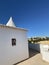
{"x": 13, "y": 44}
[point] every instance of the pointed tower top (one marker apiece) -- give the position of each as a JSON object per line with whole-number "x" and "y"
{"x": 10, "y": 23}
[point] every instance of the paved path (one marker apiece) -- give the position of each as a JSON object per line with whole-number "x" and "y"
{"x": 35, "y": 60}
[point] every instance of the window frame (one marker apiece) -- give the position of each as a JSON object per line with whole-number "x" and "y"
{"x": 13, "y": 41}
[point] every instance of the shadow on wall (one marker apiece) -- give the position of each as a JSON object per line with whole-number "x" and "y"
{"x": 32, "y": 52}
{"x": 34, "y": 46}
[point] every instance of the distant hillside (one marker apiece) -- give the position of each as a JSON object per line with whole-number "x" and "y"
{"x": 37, "y": 39}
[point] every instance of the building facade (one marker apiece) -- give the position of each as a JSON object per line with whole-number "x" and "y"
{"x": 13, "y": 44}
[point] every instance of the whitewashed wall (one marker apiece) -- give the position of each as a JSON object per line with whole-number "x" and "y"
{"x": 44, "y": 49}
{"x": 12, "y": 54}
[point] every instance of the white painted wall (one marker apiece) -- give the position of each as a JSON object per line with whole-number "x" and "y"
{"x": 44, "y": 52}
{"x": 12, "y": 54}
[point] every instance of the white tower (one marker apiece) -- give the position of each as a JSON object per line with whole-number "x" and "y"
{"x": 10, "y": 23}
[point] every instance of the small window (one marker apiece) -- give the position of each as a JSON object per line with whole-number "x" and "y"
{"x": 13, "y": 42}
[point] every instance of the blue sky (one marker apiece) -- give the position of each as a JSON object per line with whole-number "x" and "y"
{"x": 29, "y": 14}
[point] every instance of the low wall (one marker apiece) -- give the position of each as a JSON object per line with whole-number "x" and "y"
{"x": 44, "y": 49}
{"x": 35, "y": 46}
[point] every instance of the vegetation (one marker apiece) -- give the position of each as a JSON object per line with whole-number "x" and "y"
{"x": 37, "y": 39}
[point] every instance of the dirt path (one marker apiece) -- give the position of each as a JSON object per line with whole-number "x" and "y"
{"x": 35, "y": 60}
